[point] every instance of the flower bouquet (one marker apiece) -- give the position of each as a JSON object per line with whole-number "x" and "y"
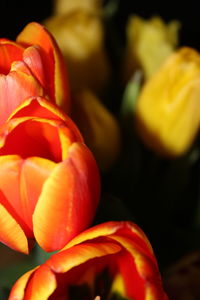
{"x": 99, "y": 158}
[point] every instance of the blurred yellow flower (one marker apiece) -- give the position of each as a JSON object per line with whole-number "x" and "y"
{"x": 80, "y": 36}
{"x": 168, "y": 108}
{"x": 66, "y": 6}
{"x": 149, "y": 43}
{"x": 98, "y": 126}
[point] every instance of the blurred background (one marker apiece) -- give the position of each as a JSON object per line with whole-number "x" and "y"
{"x": 16, "y": 14}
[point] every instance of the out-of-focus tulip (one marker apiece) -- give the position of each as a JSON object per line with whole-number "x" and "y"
{"x": 31, "y": 66}
{"x": 62, "y": 6}
{"x": 49, "y": 181}
{"x": 80, "y": 36}
{"x": 167, "y": 111}
{"x": 98, "y": 126}
{"x": 149, "y": 43}
{"x": 113, "y": 260}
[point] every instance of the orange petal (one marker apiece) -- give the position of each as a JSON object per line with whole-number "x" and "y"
{"x": 48, "y": 138}
{"x": 41, "y": 108}
{"x": 26, "y": 177}
{"x": 101, "y": 230}
{"x": 18, "y": 289}
{"x": 15, "y": 88}
{"x": 41, "y": 136}
{"x": 9, "y": 52}
{"x": 11, "y": 234}
{"x": 54, "y": 67}
{"x": 61, "y": 212}
{"x": 33, "y": 60}
{"x": 139, "y": 265}
{"x": 63, "y": 261}
{"x": 41, "y": 285}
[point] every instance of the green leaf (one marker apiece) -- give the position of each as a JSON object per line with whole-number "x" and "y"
{"x": 130, "y": 96}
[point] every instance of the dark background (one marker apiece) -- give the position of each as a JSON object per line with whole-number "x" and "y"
{"x": 16, "y": 14}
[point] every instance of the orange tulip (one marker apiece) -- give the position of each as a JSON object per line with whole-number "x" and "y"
{"x": 49, "y": 181}
{"x": 31, "y": 66}
{"x": 109, "y": 260}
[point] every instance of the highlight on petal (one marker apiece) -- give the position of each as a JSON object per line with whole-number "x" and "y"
{"x": 56, "y": 79}
{"x": 72, "y": 187}
{"x": 41, "y": 284}
{"x": 66, "y": 260}
{"x": 11, "y": 234}
{"x": 104, "y": 229}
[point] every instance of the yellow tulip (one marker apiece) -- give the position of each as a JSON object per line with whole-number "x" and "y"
{"x": 168, "y": 108}
{"x": 149, "y": 43}
{"x": 66, "y": 6}
{"x": 80, "y": 36}
{"x": 98, "y": 126}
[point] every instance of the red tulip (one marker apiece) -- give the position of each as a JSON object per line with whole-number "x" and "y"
{"x": 113, "y": 260}
{"x": 49, "y": 181}
{"x": 31, "y": 66}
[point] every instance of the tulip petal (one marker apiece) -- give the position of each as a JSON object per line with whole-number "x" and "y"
{"x": 154, "y": 293}
{"x": 41, "y": 285}
{"x": 41, "y": 136}
{"x": 140, "y": 266}
{"x": 23, "y": 85}
{"x": 104, "y": 229}
{"x": 11, "y": 234}
{"x": 9, "y": 52}
{"x": 61, "y": 212}
{"x": 56, "y": 83}
{"x": 127, "y": 267}
{"x": 26, "y": 177}
{"x": 18, "y": 289}
{"x": 110, "y": 229}
{"x": 33, "y": 59}
{"x": 66, "y": 260}
{"x": 41, "y": 108}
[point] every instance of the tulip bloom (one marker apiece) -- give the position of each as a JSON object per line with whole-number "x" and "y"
{"x": 49, "y": 181}
{"x": 149, "y": 43}
{"x": 64, "y": 7}
{"x": 31, "y": 66}
{"x": 167, "y": 110}
{"x": 99, "y": 127}
{"x": 80, "y": 36}
{"x": 108, "y": 261}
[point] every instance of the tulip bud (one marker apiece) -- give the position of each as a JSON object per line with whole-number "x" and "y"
{"x": 167, "y": 110}
{"x": 149, "y": 43}
{"x": 80, "y": 36}
{"x": 63, "y": 6}
{"x": 98, "y": 126}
